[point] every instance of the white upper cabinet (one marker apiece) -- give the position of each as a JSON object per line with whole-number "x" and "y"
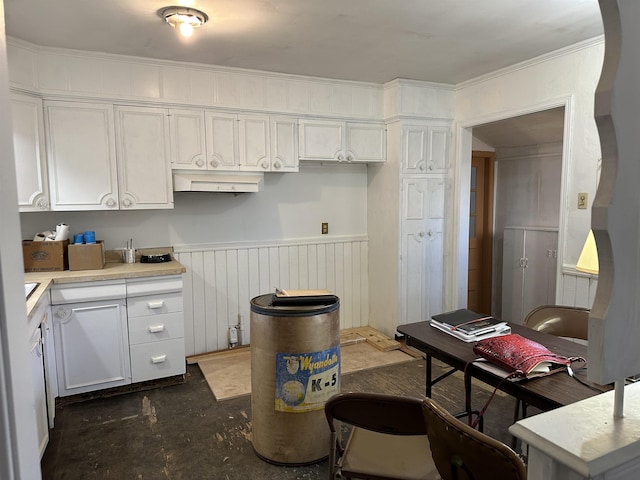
{"x": 81, "y": 156}
{"x": 284, "y": 144}
{"x": 29, "y": 152}
{"x": 98, "y": 162}
{"x": 188, "y": 145}
{"x": 212, "y": 140}
{"x": 144, "y": 167}
{"x": 335, "y": 141}
{"x": 221, "y": 141}
{"x": 425, "y": 149}
{"x": 253, "y": 144}
{"x": 366, "y": 142}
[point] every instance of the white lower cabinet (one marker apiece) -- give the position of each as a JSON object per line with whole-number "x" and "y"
{"x": 156, "y": 327}
{"x": 117, "y": 332}
{"x": 40, "y": 393}
{"x": 92, "y": 348}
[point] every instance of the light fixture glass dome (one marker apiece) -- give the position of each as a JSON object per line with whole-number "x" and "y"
{"x": 184, "y": 19}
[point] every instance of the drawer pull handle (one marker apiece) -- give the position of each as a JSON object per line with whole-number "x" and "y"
{"x": 158, "y": 304}
{"x": 158, "y": 359}
{"x": 156, "y": 328}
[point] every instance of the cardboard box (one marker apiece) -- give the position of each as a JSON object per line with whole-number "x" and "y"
{"x": 45, "y": 256}
{"x": 86, "y": 256}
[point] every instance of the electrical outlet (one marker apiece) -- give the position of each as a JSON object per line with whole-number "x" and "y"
{"x": 583, "y": 199}
{"x": 325, "y": 228}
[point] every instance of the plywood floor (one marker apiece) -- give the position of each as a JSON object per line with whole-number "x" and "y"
{"x": 229, "y": 375}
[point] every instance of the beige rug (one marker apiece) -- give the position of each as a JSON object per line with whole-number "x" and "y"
{"x": 229, "y": 375}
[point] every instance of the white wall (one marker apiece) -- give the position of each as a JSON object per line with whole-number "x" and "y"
{"x": 565, "y": 78}
{"x": 18, "y": 440}
{"x": 291, "y": 206}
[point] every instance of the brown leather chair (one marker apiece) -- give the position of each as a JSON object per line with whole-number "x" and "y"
{"x": 560, "y": 320}
{"x": 388, "y": 438}
{"x": 462, "y": 453}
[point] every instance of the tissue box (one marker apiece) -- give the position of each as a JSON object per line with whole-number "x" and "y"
{"x": 45, "y": 256}
{"x": 86, "y": 256}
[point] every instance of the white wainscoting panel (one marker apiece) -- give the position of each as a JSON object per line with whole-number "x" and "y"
{"x": 578, "y": 289}
{"x": 221, "y": 281}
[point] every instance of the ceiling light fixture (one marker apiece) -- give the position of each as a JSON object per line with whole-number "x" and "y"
{"x": 184, "y": 19}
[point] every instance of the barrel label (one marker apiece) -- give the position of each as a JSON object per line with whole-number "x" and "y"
{"x": 305, "y": 381}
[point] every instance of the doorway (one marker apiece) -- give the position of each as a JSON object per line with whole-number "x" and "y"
{"x": 480, "y": 271}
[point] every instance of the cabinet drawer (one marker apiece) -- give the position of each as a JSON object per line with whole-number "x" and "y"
{"x": 157, "y": 360}
{"x": 154, "y": 304}
{"x": 152, "y": 328}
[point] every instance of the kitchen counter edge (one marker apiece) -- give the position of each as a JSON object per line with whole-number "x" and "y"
{"x": 111, "y": 271}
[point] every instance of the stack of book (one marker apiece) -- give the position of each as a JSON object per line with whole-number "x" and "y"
{"x": 469, "y": 326}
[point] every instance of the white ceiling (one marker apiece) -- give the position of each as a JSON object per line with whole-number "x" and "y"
{"x": 447, "y": 41}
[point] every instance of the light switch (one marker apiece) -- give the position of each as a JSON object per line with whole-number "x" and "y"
{"x": 583, "y": 199}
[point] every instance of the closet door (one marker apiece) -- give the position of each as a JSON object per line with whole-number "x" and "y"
{"x": 422, "y": 249}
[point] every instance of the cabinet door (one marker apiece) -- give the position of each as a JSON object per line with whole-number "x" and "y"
{"x": 39, "y": 391}
{"x": 81, "y": 156}
{"x": 50, "y": 375}
{"x": 188, "y": 145}
{"x": 425, "y": 149}
{"x": 422, "y": 248}
{"x": 366, "y": 142}
{"x": 284, "y": 144}
{"x": 513, "y": 262}
{"x": 222, "y": 140}
{"x": 528, "y": 271}
{"x": 438, "y": 151}
{"x": 539, "y": 285}
{"x": 253, "y": 143}
{"x": 322, "y": 140}
{"x": 144, "y": 168}
{"x": 29, "y": 152}
{"x": 92, "y": 347}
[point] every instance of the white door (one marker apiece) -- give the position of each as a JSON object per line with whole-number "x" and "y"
{"x": 253, "y": 143}
{"x": 29, "y": 150}
{"x": 422, "y": 248}
{"x": 81, "y": 156}
{"x": 188, "y": 145}
{"x": 366, "y": 142}
{"x": 222, "y": 141}
{"x": 539, "y": 286}
{"x": 39, "y": 391}
{"x": 322, "y": 140}
{"x": 92, "y": 346}
{"x": 144, "y": 168}
{"x": 284, "y": 144}
{"x": 425, "y": 149}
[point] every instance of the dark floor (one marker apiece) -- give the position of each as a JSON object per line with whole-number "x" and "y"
{"x": 182, "y": 432}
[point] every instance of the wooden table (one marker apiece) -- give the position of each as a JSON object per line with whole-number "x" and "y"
{"x": 545, "y": 393}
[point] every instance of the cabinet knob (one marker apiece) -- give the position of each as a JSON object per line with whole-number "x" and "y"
{"x": 42, "y": 204}
{"x": 277, "y": 164}
{"x": 62, "y": 314}
{"x": 127, "y": 202}
{"x": 265, "y": 165}
{"x": 349, "y": 158}
{"x": 421, "y": 234}
{"x": 421, "y": 167}
{"x": 214, "y": 163}
{"x": 340, "y": 157}
{"x": 430, "y": 166}
{"x": 111, "y": 203}
{"x": 200, "y": 163}
{"x": 430, "y": 233}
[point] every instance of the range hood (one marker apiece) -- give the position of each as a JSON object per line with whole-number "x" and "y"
{"x": 217, "y": 182}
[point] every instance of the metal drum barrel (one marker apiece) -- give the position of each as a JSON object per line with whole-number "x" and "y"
{"x": 295, "y": 368}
